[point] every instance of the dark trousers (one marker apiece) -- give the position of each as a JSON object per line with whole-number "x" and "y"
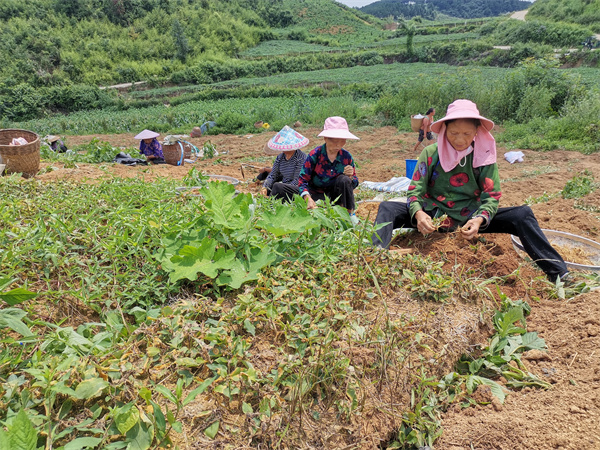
{"x": 283, "y": 191}
{"x": 517, "y": 220}
{"x": 341, "y": 192}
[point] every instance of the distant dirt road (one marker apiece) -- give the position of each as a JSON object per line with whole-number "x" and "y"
{"x": 519, "y": 15}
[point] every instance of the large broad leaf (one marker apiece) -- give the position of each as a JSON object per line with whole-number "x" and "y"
{"x": 11, "y": 318}
{"x": 286, "y": 220}
{"x": 193, "y": 260}
{"x": 239, "y": 273}
{"x": 126, "y": 417}
{"x": 21, "y": 434}
{"x": 531, "y": 341}
{"x": 16, "y": 296}
{"x": 226, "y": 210}
{"x": 504, "y": 322}
{"x": 83, "y": 442}
{"x": 528, "y": 341}
{"x": 90, "y": 388}
{"x": 140, "y": 437}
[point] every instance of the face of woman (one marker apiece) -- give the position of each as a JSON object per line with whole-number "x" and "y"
{"x": 460, "y": 133}
{"x": 148, "y": 141}
{"x": 334, "y": 144}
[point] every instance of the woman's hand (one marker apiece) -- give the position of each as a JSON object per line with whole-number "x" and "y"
{"x": 471, "y": 228}
{"x": 310, "y": 203}
{"x": 348, "y": 171}
{"x": 424, "y": 223}
{"x": 263, "y": 191}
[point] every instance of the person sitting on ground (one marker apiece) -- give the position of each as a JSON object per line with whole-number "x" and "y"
{"x": 425, "y": 128}
{"x": 329, "y": 169}
{"x": 55, "y": 143}
{"x": 286, "y": 169}
{"x": 457, "y": 177}
{"x": 150, "y": 147}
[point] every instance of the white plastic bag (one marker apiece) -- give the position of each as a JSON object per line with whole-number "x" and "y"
{"x": 513, "y": 157}
{"x": 19, "y": 141}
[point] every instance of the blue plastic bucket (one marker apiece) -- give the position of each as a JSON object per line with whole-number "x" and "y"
{"x": 411, "y": 164}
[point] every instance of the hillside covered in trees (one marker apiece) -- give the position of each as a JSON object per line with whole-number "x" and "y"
{"x": 429, "y": 9}
{"x": 583, "y": 12}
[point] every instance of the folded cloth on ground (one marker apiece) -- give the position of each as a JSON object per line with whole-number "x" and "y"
{"x": 128, "y": 160}
{"x": 395, "y": 184}
{"x": 513, "y": 157}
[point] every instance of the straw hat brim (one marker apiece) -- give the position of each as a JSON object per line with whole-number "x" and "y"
{"x": 147, "y": 134}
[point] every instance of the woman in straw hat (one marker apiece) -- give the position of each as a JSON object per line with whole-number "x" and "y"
{"x": 282, "y": 181}
{"x": 329, "y": 169}
{"x": 457, "y": 177}
{"x": 150, "y": 147}
{"x": 55, "y": 143}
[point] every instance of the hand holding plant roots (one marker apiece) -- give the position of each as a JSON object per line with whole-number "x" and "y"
{"x": 425, "y": 224}
{"x": 348, "y": 171}
{"x": 470, "y": 229}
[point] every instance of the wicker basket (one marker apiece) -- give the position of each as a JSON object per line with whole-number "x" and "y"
{"x": 172, "y": 153}
{"x": 416, "y": 122}
{"x": 24, "y": 159}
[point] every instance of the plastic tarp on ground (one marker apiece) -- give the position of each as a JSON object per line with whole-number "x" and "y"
{"x": 395, "y": 184}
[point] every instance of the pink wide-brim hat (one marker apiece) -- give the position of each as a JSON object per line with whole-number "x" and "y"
{"x": 462, "y": 109}
{"x": 286, "y": 140}
{"x": 337, "y": 128}
{"x": 147, "y": 134}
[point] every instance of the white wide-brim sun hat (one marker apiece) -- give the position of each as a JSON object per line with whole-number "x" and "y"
{"x": 336, "y": 127}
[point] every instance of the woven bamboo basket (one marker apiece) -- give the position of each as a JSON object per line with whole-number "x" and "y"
{"x": 24, "y": 159}
{"x": 415, "y": 123}
{"x": 172, "y": 153}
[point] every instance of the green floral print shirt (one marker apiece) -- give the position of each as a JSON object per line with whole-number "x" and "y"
{"x": 462, "y": 194}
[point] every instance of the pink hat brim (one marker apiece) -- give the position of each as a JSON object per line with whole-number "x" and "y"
{"x": 146, "y": 134}
{"x": 338, "y": 134}
{"x": 463, "y": 113}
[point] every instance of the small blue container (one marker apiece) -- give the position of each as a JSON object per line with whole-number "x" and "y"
{"x": 411, "y": 164}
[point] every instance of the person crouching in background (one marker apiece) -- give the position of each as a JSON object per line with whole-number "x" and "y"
{"x": 150, "y": 147}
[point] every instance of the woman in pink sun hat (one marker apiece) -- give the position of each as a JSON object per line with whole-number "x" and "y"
{"x": 457, "y": 177}
{"x": 329, "y": 169}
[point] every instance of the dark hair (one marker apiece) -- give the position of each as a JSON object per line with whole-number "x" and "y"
{"x": 475, "y": 122}
{"x": 429, "y": 111}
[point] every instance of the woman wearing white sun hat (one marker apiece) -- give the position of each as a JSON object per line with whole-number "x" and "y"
{"x": 150, "y": 147}
{"x": 282, "y": 181}
{"x": 329, "y": 169}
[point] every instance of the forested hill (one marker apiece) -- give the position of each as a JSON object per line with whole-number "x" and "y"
{"x": 582, "y": 12}
{"x": 428, "y": 9}
{"x": 99, "y": 42}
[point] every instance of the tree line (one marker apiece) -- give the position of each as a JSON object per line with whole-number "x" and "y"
{"x": 429, "y": 9}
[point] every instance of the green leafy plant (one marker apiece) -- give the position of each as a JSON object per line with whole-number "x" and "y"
{"x": 579, "y": 186}
{"x": 494, "y": 361}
